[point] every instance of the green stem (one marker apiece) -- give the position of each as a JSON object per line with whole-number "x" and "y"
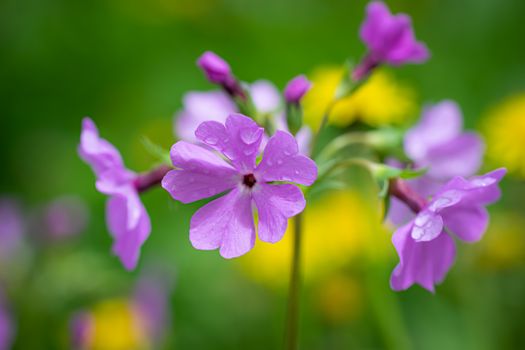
{"x": 292, "y": 318}
{"x": 323, "y": 123}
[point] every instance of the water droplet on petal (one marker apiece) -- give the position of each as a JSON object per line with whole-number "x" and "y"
{"x": 248, "y": 151}
{"x": 250, "y": 135}
{"x": 211, "y": 140}
{"x": 279, "y": 161}
{"x": 483, "y": 181}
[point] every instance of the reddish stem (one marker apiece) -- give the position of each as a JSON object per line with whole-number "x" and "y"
{"x": 364, "y": 68}
{"x": 234, "y": 88}
{"x": 152, "y": 178}
{"x": 402, "y": 191}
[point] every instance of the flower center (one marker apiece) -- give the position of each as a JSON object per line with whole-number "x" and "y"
{"x": 249, "y": 180}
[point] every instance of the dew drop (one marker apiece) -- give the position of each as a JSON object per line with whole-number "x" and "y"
{"x": 482, "y": 182}
{"x": 211, "y": 140}
{"x": 247, "y": 151}
{"x": 250, "y": 135}
{"x": 279, "y": 161}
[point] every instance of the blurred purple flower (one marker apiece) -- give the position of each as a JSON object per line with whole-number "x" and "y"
{"x": 216, "y": 69}
{"x": 127, "y": 219}
{"x": 389, "y": 38}
{"x": 303, "y": 136}
{"x": 439, "y": 143}
{"x": 217, "y": 105}
{"x": 200, "y": 107}
{"x": 65, "y": 216}
{"x": 227, "y": 222}
{"x": 12, "y": 226}
{"x": 296, "y": 88}
{"x": 81, "y": 330}
{"x": 151, "y": 301}
{"x": 425, "y": 245}
{"x": 7, "y": 329}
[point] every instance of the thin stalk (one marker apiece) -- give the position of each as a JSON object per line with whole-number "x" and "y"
{"x": 152, "y": 178}
{"x": 323, "y": 123}
{"x": 291, "y": 341}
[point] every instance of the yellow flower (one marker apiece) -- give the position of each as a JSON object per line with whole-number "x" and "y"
{"x": 503, "y": 246}
{"x": 504, "y": 129}
{"x": 335, "y": 230}
{"x": 381, "y": 100}
{"x": 339, "y": 298}
{"x": 116, "y": 327}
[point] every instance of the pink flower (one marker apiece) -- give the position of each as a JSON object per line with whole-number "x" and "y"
{"x": 439, "y": 143}
{"x": 227, "y": 223}
{"x": 425, "y": 245}
{"x": 216, "y": 69}
{"x": 201, "y": 106}
{"x": 127, "y": 219}
{"x": 389, "y": 39}
{"x": 296, "y": 88}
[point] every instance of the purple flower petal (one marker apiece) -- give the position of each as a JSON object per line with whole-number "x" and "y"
{"x": 275, "y": 204}
{"x": 200, "y": 107}
{"x": 439, "y": 124}
{"x": 427, "y": 226}
{"x": 214, "y": 67}
{"x": 468, "y": 223}
{"x": 129, "y": 225}
{"x": 296, "y": 88}
{"x": 265, "y": 96}
{"x": 238, "y": 139}
{"x": 97, "y": 152}
{"x": 188, "y": 186}
{"x": 201, "y": 173}
{"x": 424, "y": 263}
{"x": 461, "y": 156}
{"x": 304, "y": 140}
{"x": 371, "y": 29}
{"x": 225, "y": 223}
{"x": 282, "y": 162}
{"x": 479, "y": 190}
{"x": 390, "y": 38}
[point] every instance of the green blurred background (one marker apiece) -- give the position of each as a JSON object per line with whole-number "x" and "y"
{"x": 127, "y": 64}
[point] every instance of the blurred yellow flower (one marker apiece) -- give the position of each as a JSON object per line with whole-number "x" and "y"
{"x": 337, "y": 228}
{"x": 503, "y": 246}
{"x": 339, "y": 298}
{"x": 116, "y": 327}
{"x": 504, "y": 129}
{"x": 381, "y": 100}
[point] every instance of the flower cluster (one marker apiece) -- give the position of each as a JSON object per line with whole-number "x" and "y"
{"x": 247, "y": 147}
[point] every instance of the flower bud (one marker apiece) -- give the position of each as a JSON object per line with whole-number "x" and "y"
{"x": 296, "y": 88}
{"x": 215, "y": 68}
